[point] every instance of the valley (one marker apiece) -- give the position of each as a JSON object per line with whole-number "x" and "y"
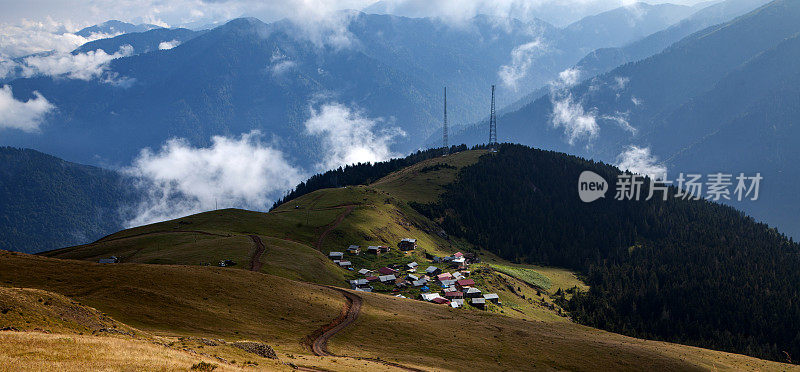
{"x": 169, "y": 293}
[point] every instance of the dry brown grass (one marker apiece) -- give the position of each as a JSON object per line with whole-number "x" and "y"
{"x": 422, "y": 334}
{"x": 34, "y": 351}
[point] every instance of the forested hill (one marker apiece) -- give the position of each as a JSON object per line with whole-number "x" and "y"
{"x": 48, "y": 203}
{"x": 693, "y": 272}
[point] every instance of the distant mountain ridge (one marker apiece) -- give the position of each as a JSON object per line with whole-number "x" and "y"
{"x": 114, "y": 27}
{"x": 224, "y": 82}
{"x": 681, "y": 98}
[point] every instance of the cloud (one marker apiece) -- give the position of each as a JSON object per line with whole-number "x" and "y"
{"x": 167, "y": 45}
{"x": 639, "y": 160}
{"x": 621, "y": 118}
{"x": 280, "y": 64}
{"x": 180, "y": 179}
{"x": 568, "y": 113}
{"x": 521, "y": 60}
{"x": 348, "y": 137}
{"x": 81, "y": 66}
{"x": 25, "y": 116}
{"x": 30, "y": 37}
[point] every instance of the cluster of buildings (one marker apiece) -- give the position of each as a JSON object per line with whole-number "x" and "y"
{"x": 453, "y": 289}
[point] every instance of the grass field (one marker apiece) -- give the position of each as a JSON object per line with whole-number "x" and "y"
{"x": 425, "y": 181}
{"x": 168, "y": 302}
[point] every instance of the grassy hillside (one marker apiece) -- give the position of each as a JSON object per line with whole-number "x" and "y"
{"x": 236, "y": 304}
{"x": 174, "y": 303}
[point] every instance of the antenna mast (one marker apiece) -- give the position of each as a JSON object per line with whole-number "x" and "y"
{"x": 493, "y": 126}
{"x": 444, "y": 127}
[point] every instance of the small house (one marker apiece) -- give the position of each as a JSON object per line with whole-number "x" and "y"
{"x": 407, "y": 244}
{"x": 465, "y": 283}
{"x": 447, "y": 283}
{"x": 452, "y": 295}
{"x": 364, "y": 271}
{"x": 479, "y": 302}
{"x": 456, "y": 303}
{"x": 418, "y": 283}
{"x": 458, "y": 255}
{"x": 374, "y": 250}
{"x": 336, "y": 255}
{"x": 492, "y": 297}
{"x": 345, "y": 264}
{"x": 112, "y": 259}
{"x": 387, "y": 271}
{"x": 412, "y": 265}
{"x": 372, "y": 278}
{"x": 444, "y": 276}
{"x": 472, "y": 293}
{"x": 355, "y": 283}
{"x": 412, "y": 277}
{"x": 387, "y": 278}
{"x": 440, "y": 301}
{"x": 433, "y": 270}
{"x": 354, "y": 249}
{"x": 430, "y": 296}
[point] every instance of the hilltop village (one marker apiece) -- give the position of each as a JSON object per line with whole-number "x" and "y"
{"x": 440, "y": 280}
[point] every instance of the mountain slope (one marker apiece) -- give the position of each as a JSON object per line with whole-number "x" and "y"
{"x": 143, "y": 42}
{"x": 692, "y": 272}
{"x": 605, "y": 59}
{"x": 234, "y": 303}
{"x": 48, "y": 203}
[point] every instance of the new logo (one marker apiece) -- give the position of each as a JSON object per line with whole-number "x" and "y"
{"x": 591, "y": 186}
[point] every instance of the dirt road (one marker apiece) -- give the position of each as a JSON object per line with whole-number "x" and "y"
{"x": 255, "y": 260}
{"x": 349, "y": 315}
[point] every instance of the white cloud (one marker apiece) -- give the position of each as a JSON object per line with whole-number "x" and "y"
{"x": 620, "y": 82}
{"x": 569, "y": 113}
{"x": 81, "y": 66}
{"x": 25, "y": 116}
{"x": 568, "y": 77}
{"x": 521, "y": 60}
{"x": 167, "y": 45}
{"x": 280, "y": 63}
{"x": 349, "y": 137}
{"x": 232, "y": 172}
{"x": 621, "y": 118}
{"x": 639, "y": 160}
{"x": 30, "y": 37}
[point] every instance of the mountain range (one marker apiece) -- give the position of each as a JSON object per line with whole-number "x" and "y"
{"x": 249, "y": 75}
{"x": 681, "y": 103}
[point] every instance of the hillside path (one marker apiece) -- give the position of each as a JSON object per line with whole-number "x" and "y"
{"x": 255, "y": 260}
{"x": 349, "y": 314}
{"x": 335, "y": 224}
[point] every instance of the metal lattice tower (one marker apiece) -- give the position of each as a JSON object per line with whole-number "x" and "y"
{"x": 444, "y": 127}
{"x": 493, "y": 126}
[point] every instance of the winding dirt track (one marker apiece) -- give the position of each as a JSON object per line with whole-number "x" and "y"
{"x": 349, "y": 315}
{"x": 335, "y": 224}
{"x": 255, "y": 260}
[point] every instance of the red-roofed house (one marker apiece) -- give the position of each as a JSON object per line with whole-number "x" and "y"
{"x": 465, "y": 283}
{"x": 452, "y": 295}
{"x": 387, "y": 271}
{"x": 458, "y": 255}
{"x": 445, "y": 276}
{"x": 440, "y": 301}
{"x": 371, "y": 278}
